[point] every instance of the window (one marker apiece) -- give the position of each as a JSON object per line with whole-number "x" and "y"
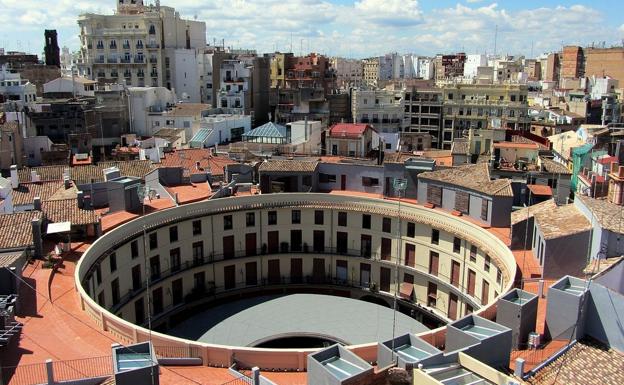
{"x": 115, "y": 291}
{"x": 435, "y": 236}
{"x": 250, "y": 219}
{"x": 342, "y": 218}
{"x": 198, "y": 253}
{"x": 499, "y": 276}
{"x": 228, "y": 223}
{"x": 386, "y": 225}
{"x": 272, "y": 217}
{"x": 174, "y": 259}
{"x": 136, "y": 277}
{"x": 134, "y": 249}
{"x": 319, "y": 217}
{"x": 456, "y": 245}
{"x": 197, "y": 228}
{"x": 155, "y": 267}
{"x": 411, "y": 229}
{"x": 296, "y": 217}
{"x": 153, "y": 241}
{"x": 366, "y": 221}
{"x": 484, "y": 209}
{"x": 327, "y": 178}
{"x": 370, "y": 182}
{"x": 434, "y": 261}
{"x": 432, "y": 294}
{"x": 473, "y": 253}
{"x": 434, "y": 195}
{"x": 455, "y": 267}
{"x": 98, "y": 274}
{"x": 386, "y": 249}
{"x": 113, "y": 262}
{"x": 173, "y": 234}
{"x": 486, "y": 263}
{"x": 462, "y": 202}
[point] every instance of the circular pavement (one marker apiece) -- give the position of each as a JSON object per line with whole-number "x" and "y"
{"x": 250, "y": 322}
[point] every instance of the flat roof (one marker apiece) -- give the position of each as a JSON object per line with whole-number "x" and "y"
{"x": 252, "y": 321}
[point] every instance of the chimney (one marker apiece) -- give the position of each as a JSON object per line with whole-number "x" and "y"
{"x": 80, "y": 197}
{"x": 14, "y": 177}
{"x": 37, "y": 203}
{"x": 33, "y": 176}
{"x": 66, "y": 182}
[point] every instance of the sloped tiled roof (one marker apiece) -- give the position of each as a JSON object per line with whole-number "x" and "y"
{"x": 474, "y": 177}
{"x": 134, "y": 168}
{"x": 188, "y": 158}
{"x": 9, "y": 259}
{"x": 561, "y": 221}
{"x": 528, "y": 212}
{"x": 460, "y": 147}
{"x": 67, "y": 210}
{"x": 27, "y": 192}
{"x": 46, "y": 173}
{"x": 554, "y": 167}
{"x": 349, "y": 130}
{"x": 16, "y": 229}
{"x": 287, "y": 166}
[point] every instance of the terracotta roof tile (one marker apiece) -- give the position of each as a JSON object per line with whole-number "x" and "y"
{"x": 554, "y": 167}
{"x": 561, "y": 221}
{"x": 350, "y": 130}
{"x": 9, "y": 259}
{"x": 16, "y": 229}
{"x": 188, "y": 158}
{"x": 540, "y": 190}
{"x": 474, "y": 177}
{"x": 135, "y": 168}
{"x": 46, "y": 173}
{"x": 27, "y": 192}
{"x": 528, "y": 212}
{"x": 67, "y": 210}
{"x": 288, "y": 166}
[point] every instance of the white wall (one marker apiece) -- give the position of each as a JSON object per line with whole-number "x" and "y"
{"x": 185, "y": 74}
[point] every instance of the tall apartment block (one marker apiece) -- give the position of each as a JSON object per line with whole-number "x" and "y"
{"x": 137, "y": 44}
{"x": 572, "y": 62}
{"x": 483, "y": 106}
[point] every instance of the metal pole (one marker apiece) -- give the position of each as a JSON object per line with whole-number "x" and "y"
{"x": 399, "y": 186}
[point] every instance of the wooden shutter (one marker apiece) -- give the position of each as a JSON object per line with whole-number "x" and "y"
{"x": 462, "y": 202}
{"x": 472, "y": 277}
{"x": 452, "y": 307}
{"x": 434, "y": 260}
{"x": 296, "y": 270}
{"x": 434, "y": 195}
{"x": 484, "y": 209}
{"x": 410, "y": 254}
{"x": 274, "y": 276}
{"x": 455, "y": 273}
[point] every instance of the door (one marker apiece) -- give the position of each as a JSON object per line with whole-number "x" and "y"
{"x": 366, "y": 246}
{"x": 384, "y": 279}
{"x": 318, "y": 270}
{"x": 434, "y": 261}
{"x": 139, "y": 311}
{"x": 342, "y": 242}
{"x": 319, "y": 241}
{"x": 250, "y": 244}
{"x": 136, "y": 277}
{"x": 342, "y": 271}
{"x": 274, "y": 272}
{"x": 343, "y": 182}
{"x": 251, "y": 273}
{"x": 386, "y": 249}
{"x": 229, "y": 277}
{"x": 273, "y": 242}
{"x": 295, "y": 240}
{"x": 452, "y": 307}
{"x": 410, "y": 254}
{"x": 228, "y": 247}
{"x": 157, "y": 300}
{"x": 485, "y": 292}
{"x": 472, "y": 276}
{"x": 177, "y": 292}
{"x": 455, "y": 273}
{"x": 296, "y": 270}
{"x": 365, "y": 274}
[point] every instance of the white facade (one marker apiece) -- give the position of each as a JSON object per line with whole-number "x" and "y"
{"x": 68, "y": 85}
{"x": 384, "y": 110}
{"x": 15, "y": 89}
{"x": 305, "y": 131}
{"x": 473, "y": 62}
{"x": 425, "y": 68}
{"x": 183, "y": 73}
{"x": 235, "y": 77}
{"x": 66, "y": 62}
{"x": 145, "y": 101}
{"x": 129, "y": 45}
{"x": 602, "y": 86}
{"x": 349, "y": 72}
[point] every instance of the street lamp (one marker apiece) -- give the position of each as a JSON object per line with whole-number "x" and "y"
{"x": 399, "y": 185}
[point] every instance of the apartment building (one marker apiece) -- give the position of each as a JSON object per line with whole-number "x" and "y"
{"x": 553, "y": 68}
{"x": 449, "y": 66}
{"x": 423, "y": 112}
{"x": 473, "y": 62}
{"x": 482, "y": 106}
{"x": 572, "y": 62}
{"x": 133, "y": 44}
{"x": 605, "y": 62}
{"x": 349, "y": 72}
{"x": 371, "y": 71}
{"x": 384, "y": 110}
{"x": 16, "y": 90}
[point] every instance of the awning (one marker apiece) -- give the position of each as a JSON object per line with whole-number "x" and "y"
{"x": 406, "y": 290}
{"x": 59, "y": 228}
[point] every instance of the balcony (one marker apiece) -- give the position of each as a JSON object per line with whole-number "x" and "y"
{"x": 98, "y": 60}
{"x": 101, "y": 75}
{"x": 153, "y": 60}
{"x": 154, "y": 74}
{"x": 114, "y": 74}
{"x": 127, "y": 75}
{"x": 126, "y": 46}
{"x": 139, "y": 60}
{"x": 152, "y": 46}
{"x": 233, "y": 80}
{"x": 99, "y": 46}
{"x": 112, "y": 47}
{"x": 139, "y": 46}
{"x": 141, "y": 74}
{"x": 112, "y": 60}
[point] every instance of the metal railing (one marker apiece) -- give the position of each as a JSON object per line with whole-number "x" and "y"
{"x": 67, "y": 370}
{"x": 178, "y": 351}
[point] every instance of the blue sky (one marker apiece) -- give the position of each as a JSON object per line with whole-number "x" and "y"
{"x": 351, "y": 28}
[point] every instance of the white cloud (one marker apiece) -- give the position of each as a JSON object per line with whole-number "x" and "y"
{"x": 359, "y": 28}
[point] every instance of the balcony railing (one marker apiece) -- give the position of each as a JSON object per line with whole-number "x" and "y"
{"x": 139, "y": 60}
{"x": 99, "y": 61}
{"x": 126, "y": 46}
{"x": 125, "y": 60}
{"x": 154, "y": 74}
{"x": 153, "y": 60}
{"x": 112, "y": 60}
{"x": 152, "y": 46}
